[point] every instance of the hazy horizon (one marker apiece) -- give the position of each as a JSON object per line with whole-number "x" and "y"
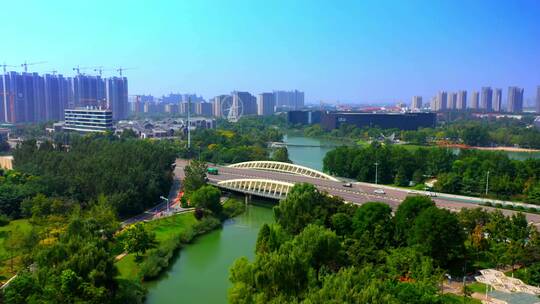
{"x": 350, "y": 51}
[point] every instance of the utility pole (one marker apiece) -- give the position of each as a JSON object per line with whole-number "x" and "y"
{"x": 188, "y": 123}
{"x": 376, "y": 172}
{"x": 487, "y": 182}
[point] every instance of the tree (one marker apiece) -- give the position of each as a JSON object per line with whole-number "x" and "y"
{"x": 195, "y": 176}
{"x": 406, "y": 214}
{"x": 281, "y": 154}
{"x": 439, "y": 235}
{"x": 207, "y": 197}
{"x": 137, "y": 240}
{"x": 372, "y": 223}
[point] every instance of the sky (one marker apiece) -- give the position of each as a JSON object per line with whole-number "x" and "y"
{"x": 357, "y": 51}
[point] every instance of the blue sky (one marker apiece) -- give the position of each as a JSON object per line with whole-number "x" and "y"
{"x": 352, "y": 51}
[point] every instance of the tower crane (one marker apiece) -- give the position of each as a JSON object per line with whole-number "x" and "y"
{"x": 78, "y": 69}
{"x": 121, "y": 69}
{"x": 52, "y": 72}
{"x": 26, "y": 64}
{"x": 4, "y": 66}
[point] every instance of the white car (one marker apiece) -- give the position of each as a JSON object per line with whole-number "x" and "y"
{"x": 379, "y": 191}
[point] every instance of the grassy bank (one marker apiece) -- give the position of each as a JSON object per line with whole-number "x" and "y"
{"x": 172, "y": 233}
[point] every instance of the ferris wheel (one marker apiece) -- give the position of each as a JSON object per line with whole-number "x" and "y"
{"x": 232, "y": 108}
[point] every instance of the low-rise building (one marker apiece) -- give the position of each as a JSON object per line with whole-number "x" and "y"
{"x": 88, "y": 120}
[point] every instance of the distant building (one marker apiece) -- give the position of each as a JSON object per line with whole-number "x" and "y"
{"x": 538, "y": 99}
{"x": 203, "y": 108}
{"x": 515, "y": 100}
{"x": 497, "y": 100}
{"x": 441, "y": 104}
{"x": 187, "y": 106}
{"x": 475, "y": 100}
{"x": 452, "y": 101}
{"x": 486, "y": 103}
{"x": 88, "y": 120}
{"x": 304, "y": 117}
{"x": 402, "y": 121}
{"x": 243, "y": 103}
{"x": 461, "y": 103}
{"x": 88, "y": 91}
{"x": 218, "y": 103}
{"x": 266, "y": 104}
{"x": 416, "y": 103}
{"x": 172, "y": 108}
{"x": 117, "y": 97}
{"x": 289, "y": 100}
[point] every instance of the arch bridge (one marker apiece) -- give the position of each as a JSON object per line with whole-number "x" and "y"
{"x": 285, "y": 168}
{"x": 259, "y": 187}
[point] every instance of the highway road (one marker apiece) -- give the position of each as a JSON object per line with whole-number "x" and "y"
{"x": 357, "y": 194}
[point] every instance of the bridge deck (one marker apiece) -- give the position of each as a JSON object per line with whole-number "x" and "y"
{"x": 359, "y": 193}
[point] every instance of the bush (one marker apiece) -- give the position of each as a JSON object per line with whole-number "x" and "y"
{"x": 488, "y": 204}
{"x": 232, "y": 208}
{"x": 519, "y": 208}
{"x": 498, "y": 205}
{"x": 4, "y": 219}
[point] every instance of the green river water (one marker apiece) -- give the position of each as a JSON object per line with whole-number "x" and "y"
{"x": 200, "y": 273}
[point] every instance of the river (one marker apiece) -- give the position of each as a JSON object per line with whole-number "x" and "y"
{"x": 200, "y": 274}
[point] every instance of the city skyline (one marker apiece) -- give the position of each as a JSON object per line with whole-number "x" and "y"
{"x": 368, "y": 52}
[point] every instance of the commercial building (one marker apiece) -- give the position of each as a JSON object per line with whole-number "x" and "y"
{"x": 88, "y": 120}
{"x": 289, "y": 100}
{"x": 402, "y": 121}
{"x": 461, "y": 103}
{"x": 486, "y": 102}
{"x": 475, "y": 100}
{"x": 416, "y": 103}
{"x": 497, "y": 100}
{"x": 515, "y": 100}
{"x": 304, "y": 117}
{"x": 266, "y": 104}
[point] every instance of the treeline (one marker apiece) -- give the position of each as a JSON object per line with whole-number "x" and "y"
{"x": 324, "y": 251}
{"x": 244, "y": 140}
{"x": 470, "y": 131}
{"x": 464, "y": 173}
{"x": 130, "y": 173}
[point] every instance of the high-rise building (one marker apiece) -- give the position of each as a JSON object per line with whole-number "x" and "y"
{"x": 56, "y": 96}
{"x": 265, "y": 104}
{"x": 538, "y": 99}
{"x": 497, "y": 100}
{"x": 117, "y": 97}
{"x": 515, "y": 100}
{"x": 416, "y": 103}
{"x": 218, "y": 102}
{"x": 88, "y": 91}
{"x": 461, "y": 103}
{"x": 452, "y": 101}
{"x": 475, "y": 100}
{"x": 289, "y": 100}
{"x": 203, "y": 108}
{"x": 441, "y": 103}
{"x": 486, "y": 103}
{"x": 243, "y": 103}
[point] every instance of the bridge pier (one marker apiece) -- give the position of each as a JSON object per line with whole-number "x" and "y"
{"x": 247, "y": 198}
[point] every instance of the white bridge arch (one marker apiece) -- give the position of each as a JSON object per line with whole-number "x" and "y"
{"x": 283, "y": 167}
{"x": 260, "y": 187}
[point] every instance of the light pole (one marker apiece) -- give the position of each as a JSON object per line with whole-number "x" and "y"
{"x": 487, "y": 182}
{"x": 167, "y": 200}
{"x": 376, "y": 172}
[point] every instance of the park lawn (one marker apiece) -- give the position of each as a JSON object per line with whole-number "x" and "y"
{"x": 478, "y": 287}
{"x": 5, "y": 269}
{"x": 163, "y": 228}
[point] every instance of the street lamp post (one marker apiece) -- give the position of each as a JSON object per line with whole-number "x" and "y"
{"x": 167, "y": 200}
{"x": 376, "y": 172}
{"x": 487, "y": 182}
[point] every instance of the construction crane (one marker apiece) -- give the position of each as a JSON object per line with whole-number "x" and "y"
{"x": 78, "y": 69}
{"x": 26, "y": 64}
{"x": 4, "y": 66}
{"x": 100, "y": 70}
{"x": 121, "y": 69}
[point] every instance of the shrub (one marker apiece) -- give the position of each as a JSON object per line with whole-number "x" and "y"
{"x": 488, "y": 204}
{"x": 498, "y": 205}
{"x": 4, "y": 219}
{"x": 232, "y": 208}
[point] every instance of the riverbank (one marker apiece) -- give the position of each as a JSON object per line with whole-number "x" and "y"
{"x": 172, "y": 233}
